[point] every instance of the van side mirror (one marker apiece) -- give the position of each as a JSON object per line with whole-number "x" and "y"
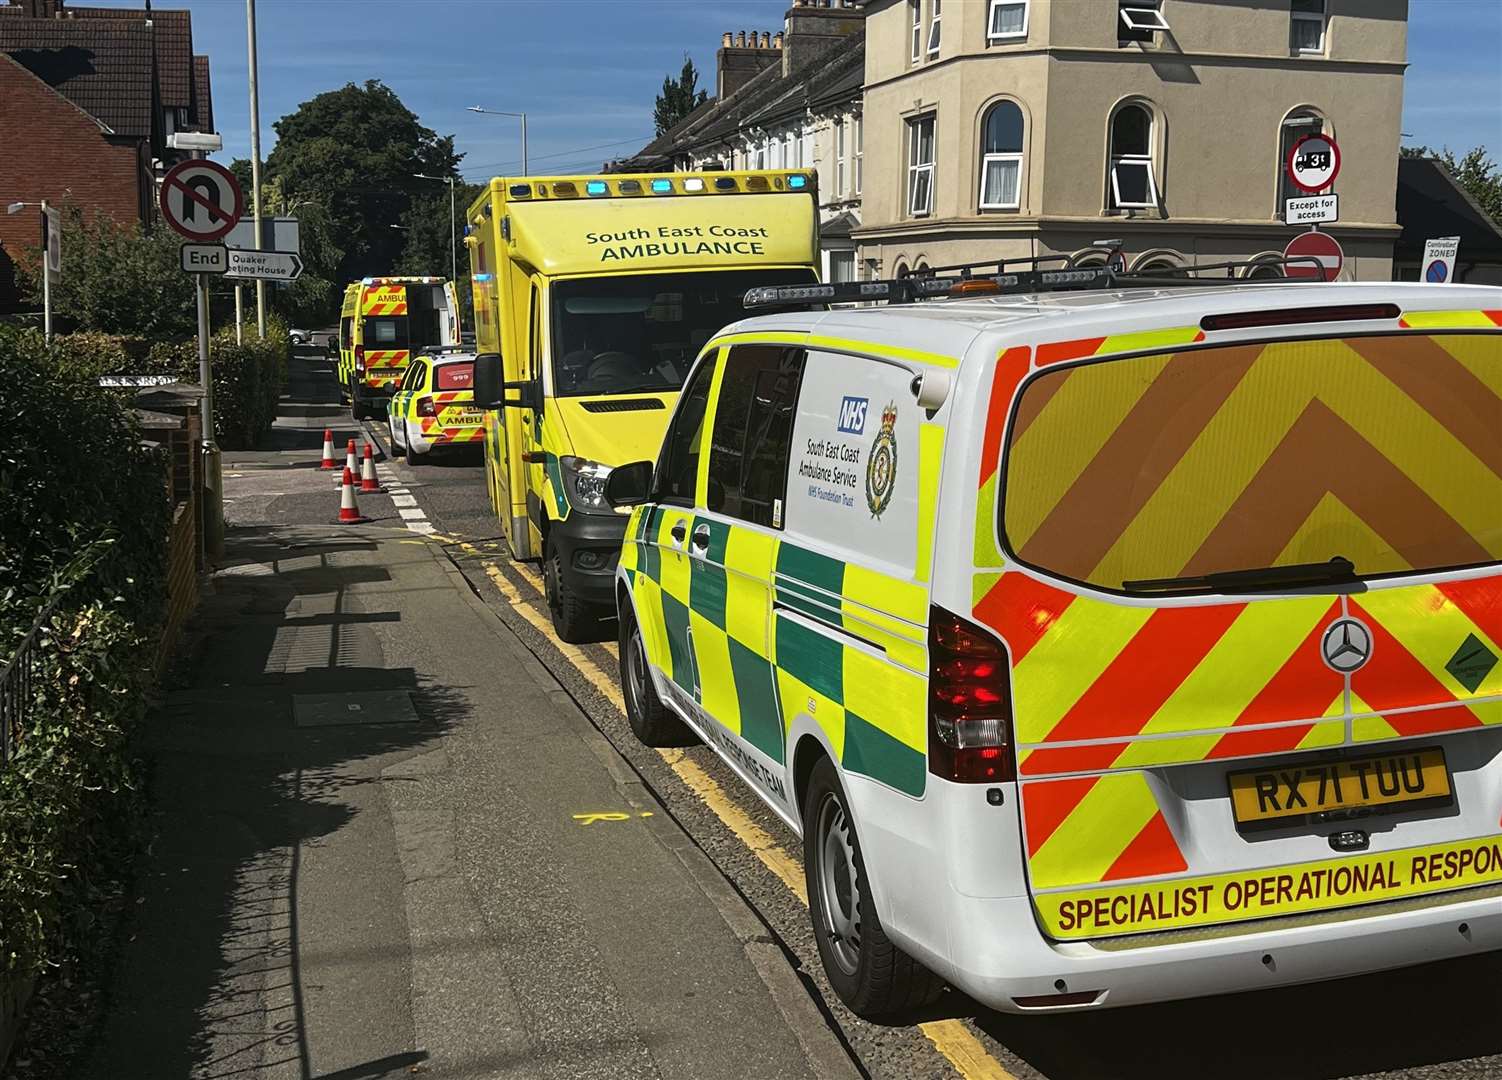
{"x": 628, "y": 485}
{"x": 487, "y": 380}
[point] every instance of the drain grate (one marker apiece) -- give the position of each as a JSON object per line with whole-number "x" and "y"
{"x": 363, "y": 707}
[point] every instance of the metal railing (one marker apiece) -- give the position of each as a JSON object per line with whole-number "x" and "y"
{"x": 18, "y": 681}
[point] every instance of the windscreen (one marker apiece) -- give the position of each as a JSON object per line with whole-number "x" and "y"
{"x": 641, "y": 333}
{"x": 1382, "y": 450}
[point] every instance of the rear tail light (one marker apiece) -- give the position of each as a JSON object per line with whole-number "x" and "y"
{"x": 969, "y": 702}
{"x": 360, "y": 358}
{"x": 425, "y": 407}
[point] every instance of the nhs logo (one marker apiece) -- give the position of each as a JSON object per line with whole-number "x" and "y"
{"x": 853, "y": 415}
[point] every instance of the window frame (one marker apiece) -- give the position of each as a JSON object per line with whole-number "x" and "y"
{"x": 1144, "y": 160}
{"x": 1129, "y": 31}
{"x": 705, "y": 371}
{"x": 858, "y": 151}
{"x": 779, "y": 500}
{"x": 992, "y": 36}
{"x": 916, "y": 6}
{"x": 935, "y": 28}
{"x": 916, "y": 168}
{"x": 839, "y": 158}
{"x": 988, "y": 158}
{"x": 1322, "y": 20}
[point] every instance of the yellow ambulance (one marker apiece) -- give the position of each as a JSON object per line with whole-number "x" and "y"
{"x": 592, "y": 297}
{"x": 381, "y": 322}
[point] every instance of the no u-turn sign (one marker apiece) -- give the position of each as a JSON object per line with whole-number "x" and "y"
{"x": 201, "y": 200}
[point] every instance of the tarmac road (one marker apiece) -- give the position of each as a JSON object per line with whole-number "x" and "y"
{"x": 1439, "y": 1021}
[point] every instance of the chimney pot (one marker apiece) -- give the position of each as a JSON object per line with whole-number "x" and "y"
{"x": 777, "y": 40}
{"x": 740, "y": 40}
{"x": 727, "y": 39}
{"x": 766, "y": 40}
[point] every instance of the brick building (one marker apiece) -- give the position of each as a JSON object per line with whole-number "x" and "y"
{"x": 91, "y": 96}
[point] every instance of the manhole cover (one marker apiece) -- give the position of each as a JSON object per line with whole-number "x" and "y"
{"x": 365, "y": 707}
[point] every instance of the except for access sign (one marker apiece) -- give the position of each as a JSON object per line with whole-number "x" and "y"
{"x": 204, "y": 258}
{"x": 265, "y": 265}
{"x": 1312, "y": 209}
{"x": 1320, "y": 257}
{"x": 1313, "y": 163}
{"x": 201, "y": 200}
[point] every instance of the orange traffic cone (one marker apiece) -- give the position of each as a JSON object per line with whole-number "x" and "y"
{"x": 368, "y": 481}
{"x": 351, "y": 462}
{"x": 328, "y": 450}
{"x": 349, "y": 510}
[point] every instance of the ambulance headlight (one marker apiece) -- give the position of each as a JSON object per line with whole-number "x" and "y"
{"x": 585, "y": 484}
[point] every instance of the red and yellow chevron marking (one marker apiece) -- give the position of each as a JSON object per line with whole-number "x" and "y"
{"x": 1451, "y": 320}
{"x": 386, "y": 358}
{"x": 1243, "y": 475}
{"x": 1057, "y": 352}
{"x": 1011, "y": 368}
{"x": 1082, "y": 830}
{"x": 386, "y": 300}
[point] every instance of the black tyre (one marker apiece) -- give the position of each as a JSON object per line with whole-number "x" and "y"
{"x": 573, "y": 621}
{"x": 873, "y": 976}
{"x": 414, "y": 457}
{"x": 652, "y": 722}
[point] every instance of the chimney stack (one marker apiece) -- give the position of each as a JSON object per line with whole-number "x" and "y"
{"x": 742, "y": 55}
{"x": 813, "y": 27}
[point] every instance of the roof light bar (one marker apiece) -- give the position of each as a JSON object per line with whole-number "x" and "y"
{"x": 630, "y": 187}
{"x": 565, "y": 188}
{"x": 693, "y": 183}
{"x": 725, "y": 183}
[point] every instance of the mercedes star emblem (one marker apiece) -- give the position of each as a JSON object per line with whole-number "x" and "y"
{"x": 1347, "y": 645}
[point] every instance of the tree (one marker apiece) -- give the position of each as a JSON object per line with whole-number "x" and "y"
{"x": 118, "y": 279}
{"x": 679, "y": 97}
{"x": 428, "y": 237}
{"x": 353, "y": 151}
{"x": 1475, "y": 172}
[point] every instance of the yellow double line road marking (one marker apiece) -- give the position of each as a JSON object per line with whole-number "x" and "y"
{"x": 950, "y": 1037}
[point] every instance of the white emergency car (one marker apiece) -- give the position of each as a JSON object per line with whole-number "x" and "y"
{"x": 1104, "y": 646}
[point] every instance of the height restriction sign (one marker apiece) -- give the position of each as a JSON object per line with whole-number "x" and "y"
{"x": 201, "y": 200}
{"x": 1313, "y": 163}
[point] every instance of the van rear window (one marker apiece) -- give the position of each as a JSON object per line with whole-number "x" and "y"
{"x": 454, "y": 376}
{"x": 1384, "y": 450}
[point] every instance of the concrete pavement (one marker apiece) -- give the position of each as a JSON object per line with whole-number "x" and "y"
{"x": 389, "y": 843}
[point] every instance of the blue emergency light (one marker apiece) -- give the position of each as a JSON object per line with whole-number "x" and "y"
{"x": 596, "y": 187}
{"x": 520, "y": 191}
{"x": 662, "y": 187}
{"x": 797, "y": 182}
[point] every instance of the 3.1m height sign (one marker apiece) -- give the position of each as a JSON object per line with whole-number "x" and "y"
{"x": 201, "y": 200}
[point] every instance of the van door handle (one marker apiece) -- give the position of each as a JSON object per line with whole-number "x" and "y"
{"x": 701, "y": 536}
{"x": 678, "y": 531}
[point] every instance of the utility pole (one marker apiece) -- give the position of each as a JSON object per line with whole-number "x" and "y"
{"x": 255, "y": 157}
{"x": 46, "y": 274}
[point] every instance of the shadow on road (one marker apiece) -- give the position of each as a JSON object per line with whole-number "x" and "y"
{"x": 207, "y": 983}
{"x": 1430, "y": 1015}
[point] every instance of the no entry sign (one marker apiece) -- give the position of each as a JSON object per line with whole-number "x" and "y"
{"x": 201, "y": 200}
{"x": 1313, "y": 163}
{"x": 1318, "y": 246}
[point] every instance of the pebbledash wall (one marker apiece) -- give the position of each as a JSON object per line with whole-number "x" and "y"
{"x": 1222, "y": 91}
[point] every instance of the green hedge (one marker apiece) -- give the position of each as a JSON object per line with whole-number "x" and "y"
{"x": 248, "y": 377}
{"x": 85, "y": 521}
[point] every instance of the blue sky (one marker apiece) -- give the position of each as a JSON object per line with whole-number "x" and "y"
{"x": 586, "y": 71}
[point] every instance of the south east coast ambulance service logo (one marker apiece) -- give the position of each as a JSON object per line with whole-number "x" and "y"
{"x": 881, "y": 465}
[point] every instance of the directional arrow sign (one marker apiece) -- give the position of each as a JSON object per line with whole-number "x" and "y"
{"x": 265, "y": 265}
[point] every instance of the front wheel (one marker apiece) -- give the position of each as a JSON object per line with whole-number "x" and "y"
{"x": 873, "y": 976}
{"x": 573, "y": 622}
{"x": 651, "y": 721}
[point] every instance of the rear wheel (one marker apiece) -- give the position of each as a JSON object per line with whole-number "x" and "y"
{"x": 651, "y": 721}
{"x": 572, "y": 619}
{"x": 415, "y": 457}
{"x": 393, "y": 425}
{"x": 872, "y": 975}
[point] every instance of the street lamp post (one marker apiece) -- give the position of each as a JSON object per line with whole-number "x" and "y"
{"x": 255, "y": 153}
{"x": 501, "y": 112}
{"x": 16, "y": 208}
{"x": 453, "y": 225}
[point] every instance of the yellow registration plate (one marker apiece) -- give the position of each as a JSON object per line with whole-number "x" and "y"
{"x": 1384, "y": 781}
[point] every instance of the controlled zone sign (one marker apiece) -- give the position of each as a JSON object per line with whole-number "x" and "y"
{"x": 201, "y": 200}
{"x": 1439, "y": 259}
{"x": 1322, "y": 248}
{"x": 1313, "y": 163}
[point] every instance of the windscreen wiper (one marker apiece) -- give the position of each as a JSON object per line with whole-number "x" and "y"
{"x": 1338, "y": 571}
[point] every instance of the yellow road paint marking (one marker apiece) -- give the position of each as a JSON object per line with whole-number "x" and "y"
{"x": 950, "y": 1037}
{"x": 747, "y": 831}
{"x": 609, "y": 815}
{"x": 964, "y": 1051}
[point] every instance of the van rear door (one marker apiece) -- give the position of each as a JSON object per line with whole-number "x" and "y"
{"x": 1254, "y": 613}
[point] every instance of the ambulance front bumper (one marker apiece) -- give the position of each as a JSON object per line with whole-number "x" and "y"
{"x": 998, "y": 955}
